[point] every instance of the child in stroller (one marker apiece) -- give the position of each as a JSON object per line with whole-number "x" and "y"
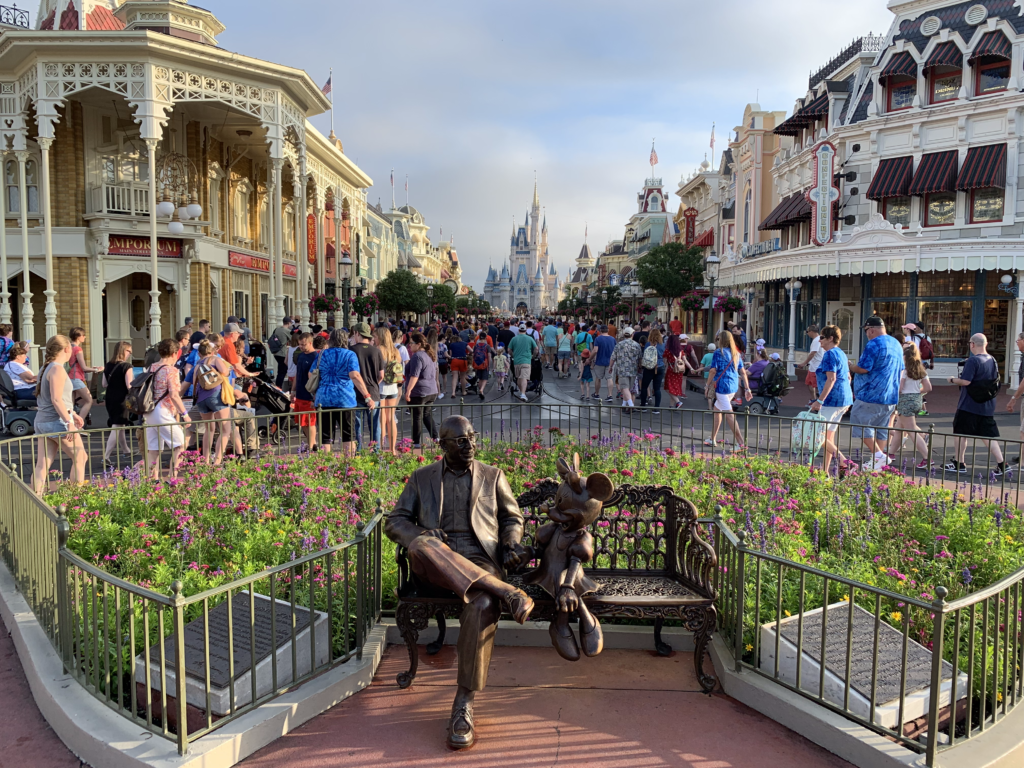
{"x": 768, "y": 379}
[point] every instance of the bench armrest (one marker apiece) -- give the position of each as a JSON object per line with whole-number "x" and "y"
{"x": 402, "y": 560}
{"x": 695, "y": 558}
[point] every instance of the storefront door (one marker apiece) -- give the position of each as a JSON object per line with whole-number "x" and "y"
{"x": 997, "y": 313}
{"x": 138, "y": 322}
{"x": 846, "y": 315}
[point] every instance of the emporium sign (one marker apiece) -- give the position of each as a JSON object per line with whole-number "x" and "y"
{"x": 124, "y": 245}
{"x": 311, "y": 239}
{"x": 760, "y": 249}
{"x": 257, "y": 263}
{"x": 823, "y": 193}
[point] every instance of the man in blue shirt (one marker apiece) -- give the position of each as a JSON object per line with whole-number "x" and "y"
{"x": 550, "y": 344}
{"x": 604, "y": 344}
{"x": 877, "y": 389}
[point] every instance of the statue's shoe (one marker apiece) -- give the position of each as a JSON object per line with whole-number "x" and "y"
{"x": 592, "y": 642}
{"x": 460, "y": 728}
{"x": 564, "y": 641}
{"x": 520, "y": 604}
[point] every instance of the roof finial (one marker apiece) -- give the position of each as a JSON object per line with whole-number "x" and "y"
{"x": 536, "y": 197}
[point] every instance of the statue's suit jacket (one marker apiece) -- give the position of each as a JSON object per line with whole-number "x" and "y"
{"x": 494, "y": 513}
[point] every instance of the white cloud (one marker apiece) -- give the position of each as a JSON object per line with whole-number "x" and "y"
{"x": 470, "y": 98}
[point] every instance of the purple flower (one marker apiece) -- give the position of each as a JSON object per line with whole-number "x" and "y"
{"x": 967, "y": 577}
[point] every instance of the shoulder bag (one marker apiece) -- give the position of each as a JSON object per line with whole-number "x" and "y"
{"x": 313, "y": 382}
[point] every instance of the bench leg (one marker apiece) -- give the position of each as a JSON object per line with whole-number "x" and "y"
{"x": 701, "y": 640}
{"x": 663, "y": 648}
{"x": 411, "y": 618}
{"x": 434, "y": 647}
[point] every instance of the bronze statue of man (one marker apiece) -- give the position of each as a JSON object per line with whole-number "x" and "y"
{"x": 462, "y": 526}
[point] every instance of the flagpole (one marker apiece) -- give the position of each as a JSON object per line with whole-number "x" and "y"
{"x": 331, "y": 80}
{"x": 392, "y": 189}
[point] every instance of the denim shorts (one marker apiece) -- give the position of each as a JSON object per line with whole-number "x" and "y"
{"x": 564, "y": 354}
{"x": 77, "y": 384}
{"x": 210, "y": 405}
{"x": 874, "y": 417}
{"x": 48, "y": 427}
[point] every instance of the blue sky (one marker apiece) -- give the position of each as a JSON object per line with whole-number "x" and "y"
{"x": 470, "y": 98}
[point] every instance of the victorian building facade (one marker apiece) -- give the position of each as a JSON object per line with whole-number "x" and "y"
{"x": 928, "y": 224}
{"x": 151, "y": 175}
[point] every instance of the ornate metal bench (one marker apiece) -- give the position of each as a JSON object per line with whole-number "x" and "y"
{"x": 650, "y": 562}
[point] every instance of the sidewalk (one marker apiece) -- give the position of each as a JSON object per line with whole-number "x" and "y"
{"x": 623, "y": 708}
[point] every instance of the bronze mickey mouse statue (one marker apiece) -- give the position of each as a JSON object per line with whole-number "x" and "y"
{"x": 563, "y": 545}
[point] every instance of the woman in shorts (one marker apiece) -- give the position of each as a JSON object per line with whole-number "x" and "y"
{"x": 914, "y": 385}
{"x": 564, "y": 351}
{"x": 210, "y": 402}
{"x": 834, "y": 393}
{"x": 57, "y": 424}
{"x": 725, "y": 378}
{"x": 162, "y": 428}
{"x": 76, "y": 371}
{"x": 388, "y": 391}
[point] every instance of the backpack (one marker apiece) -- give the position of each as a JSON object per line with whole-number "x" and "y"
{"x": 140, "y": 399}
{"x": 181, "y": 362}
{"x": 581, "y": 341}
{"x": 394, "y": 372}
{"x": 5, "y": 352}
{"x": 771, "y": 375}
{"x": 927, "y": 353}
{"x": 480, "y": 355}
{"x": 207, "y": 375}
{"x": 650, "y": 358}
{"x": 275, "y": 344}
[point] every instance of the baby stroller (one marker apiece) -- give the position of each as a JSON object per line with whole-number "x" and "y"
{"x": 536, "y": 383}
{"x": 17, "y": 417}
{"x": 258, "y": 353}
{"x": 269, "y": 400}
{"x": 774, "y": 385}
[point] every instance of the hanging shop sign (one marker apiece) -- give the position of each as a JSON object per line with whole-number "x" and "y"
{"x": 126, "y": 245}
{"x": 823, "y": 194}
{"x": 257, "y": 263}
{"x": 311, "y": 238}
{"x": 690, "y": 216}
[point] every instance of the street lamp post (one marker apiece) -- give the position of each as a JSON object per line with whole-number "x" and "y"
{"x": 430, "y": 302}
{"x": 345, "y": 272}
{"x": 711, "y": 266}
{"x": 793, "y": 286}
{"x": 604, "y": 305}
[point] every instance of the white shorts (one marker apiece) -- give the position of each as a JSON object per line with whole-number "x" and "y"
{"x": 723, "y": 402}
{"x": 168, "y": 435}
{"x": 833, "y": 414}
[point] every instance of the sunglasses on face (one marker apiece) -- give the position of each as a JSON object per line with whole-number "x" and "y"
{"x": 461, "y": 441}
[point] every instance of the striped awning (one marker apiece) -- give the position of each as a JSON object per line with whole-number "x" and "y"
{"x": 816, "y": 110}
{"x": 983, "y": 167}
{"x": 706, "y": 240}
{"x": 993, "y": 44}
{"x": 901, "y": 65}
{"x": 771, "y": 221}
{"x": 935, "y": 173}
{"x": 892, "y": 179}
{"x": 945, "y": 55}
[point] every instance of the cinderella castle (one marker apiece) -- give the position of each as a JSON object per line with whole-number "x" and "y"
{"x": 528, "y": 283}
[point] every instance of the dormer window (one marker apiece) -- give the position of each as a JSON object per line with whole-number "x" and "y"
{"x": 991, "y": 62}
{"x": 944, "y": 83}
{"x": 992, "y": 78}
{"x": 900, "y": 76}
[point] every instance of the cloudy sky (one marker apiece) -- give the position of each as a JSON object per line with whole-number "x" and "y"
{"x": 470, "y": 98}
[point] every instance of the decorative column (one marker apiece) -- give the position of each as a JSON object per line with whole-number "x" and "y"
{"x": 28, "y": 330}
{"x": 50, "y": 311}
{"x": 5, "y": 294}
{"x": 751, "y": 347}
{"x": 1018, "y": 327}
{"x": 154, "y": 267}
{"x": 301, "y": 248}
{"x": 278, "y": 208}
{"x": 793, "y": 286}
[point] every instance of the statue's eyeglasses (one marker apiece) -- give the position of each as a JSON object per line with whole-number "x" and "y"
{"x": 462, "y": 441}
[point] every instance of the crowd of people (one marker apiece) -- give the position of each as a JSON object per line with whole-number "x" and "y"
{"x": 343, "y": 387}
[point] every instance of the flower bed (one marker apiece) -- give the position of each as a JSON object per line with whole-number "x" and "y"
{"x": 211, "y": 526}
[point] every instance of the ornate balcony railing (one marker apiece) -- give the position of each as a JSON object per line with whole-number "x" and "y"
{"x": 867, "y": 44}
{"x": 13, "y": 16}
{"x": 123, "y": 199}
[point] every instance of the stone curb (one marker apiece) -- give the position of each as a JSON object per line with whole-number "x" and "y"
{"x": 100, "y": 737}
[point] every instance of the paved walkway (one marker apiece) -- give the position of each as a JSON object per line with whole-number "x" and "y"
{"x": 624, "y": 708}
{"x": 26, "y": 739}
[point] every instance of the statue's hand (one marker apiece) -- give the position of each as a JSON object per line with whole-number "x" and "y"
{"x": 567, "y": 600}
{"x": 437, "y": 533}
{"x": 513, "y": 556}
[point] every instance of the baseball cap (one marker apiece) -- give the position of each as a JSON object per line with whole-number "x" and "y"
{"x": 774, "y": 356}
{"x": 710, "y": 348}
{"x": 874, "y": 322}
{"x": 232, "y": 328}
{"x": 627, "y": 331}
{"x": 362, "y": 329}
{"x": 684, "y": 337}
{"x": 522, "y": 326}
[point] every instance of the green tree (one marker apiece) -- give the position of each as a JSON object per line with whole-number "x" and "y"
{"x": 443, "y": 296}
{"x": 670, "y": 270}
{"x": 401, "y": 292}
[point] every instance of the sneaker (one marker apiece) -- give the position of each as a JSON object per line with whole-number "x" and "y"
{"x": 522, "y": 397}
{"x": 609, "y": 399}
{"x": 923, "y": 464}
{"x": 501, "y": 387}
{"x": 441, "y": 396}
{"x": 481, "y": 396}
{"x": 655, "y": 413}
{"x": 952, "y": 466}
{"x": 999, "y": 470}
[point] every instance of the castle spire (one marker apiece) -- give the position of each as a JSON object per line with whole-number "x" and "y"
{"x": 536, "y": 197}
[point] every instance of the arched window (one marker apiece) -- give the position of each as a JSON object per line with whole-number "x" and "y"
{"x": 746, "y": 216}
{"x": 13, "y": 182}
{"x": 240, "y": 209}
{"x": 265, "y": 222}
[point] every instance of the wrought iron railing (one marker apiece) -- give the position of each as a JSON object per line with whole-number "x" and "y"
{"x": 131, "y": 199}
{"x": 13, "y": 16}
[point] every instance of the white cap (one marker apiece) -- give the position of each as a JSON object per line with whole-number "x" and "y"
{"x": 684, "y": 336}
{"x": 627, "y": 331}
{"x": 774, "y": 356}
{"x": 710, "y": 348}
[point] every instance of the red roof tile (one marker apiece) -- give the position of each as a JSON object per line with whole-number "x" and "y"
{"x": 48, "y": 21}
{"x": 100, "y": 19}
{"x": 69, "y": 19}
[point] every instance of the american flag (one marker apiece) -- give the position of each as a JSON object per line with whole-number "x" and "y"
{"x": 392, "y": 178}
{"x": 712, "y": 137}
{"x": 327, "y": 86}
{"x": 654, "y": 156}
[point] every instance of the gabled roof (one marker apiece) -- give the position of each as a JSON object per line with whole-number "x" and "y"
{"x": 101, "y": 19}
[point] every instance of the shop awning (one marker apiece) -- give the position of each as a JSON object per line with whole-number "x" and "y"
{"x": 983, "y": 167}
{"x": 900, "y": 65}
{"x": 706, "y": 240}
{"x": 817, "y": 109}
{"x": 945, "y": 55}
{"x": 892, "y": 179}
{"x": 935, "y": 173}
{"x": 993, "y": 44}
{"x": 772, "y": 219}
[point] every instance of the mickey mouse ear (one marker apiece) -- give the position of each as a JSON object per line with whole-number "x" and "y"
{"x": 600, "y": 486}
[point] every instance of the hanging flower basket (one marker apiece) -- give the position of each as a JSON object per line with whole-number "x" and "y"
{"x": 321, "y": 302}
{"x": 691, "y": 302}
{"x": 645, "y": 309}
{"x": 366, "y": 304}
{"x": 728, "y": 304}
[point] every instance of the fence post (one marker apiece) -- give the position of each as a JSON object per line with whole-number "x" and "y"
{"x": 60, "y": 593}
{"x": 740, "y": 592}
{"x": 933, "y": 696}
{"x": 928, "y": 458}
{"x": 181, "y": 691}
{"x": 360, "y": 587}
